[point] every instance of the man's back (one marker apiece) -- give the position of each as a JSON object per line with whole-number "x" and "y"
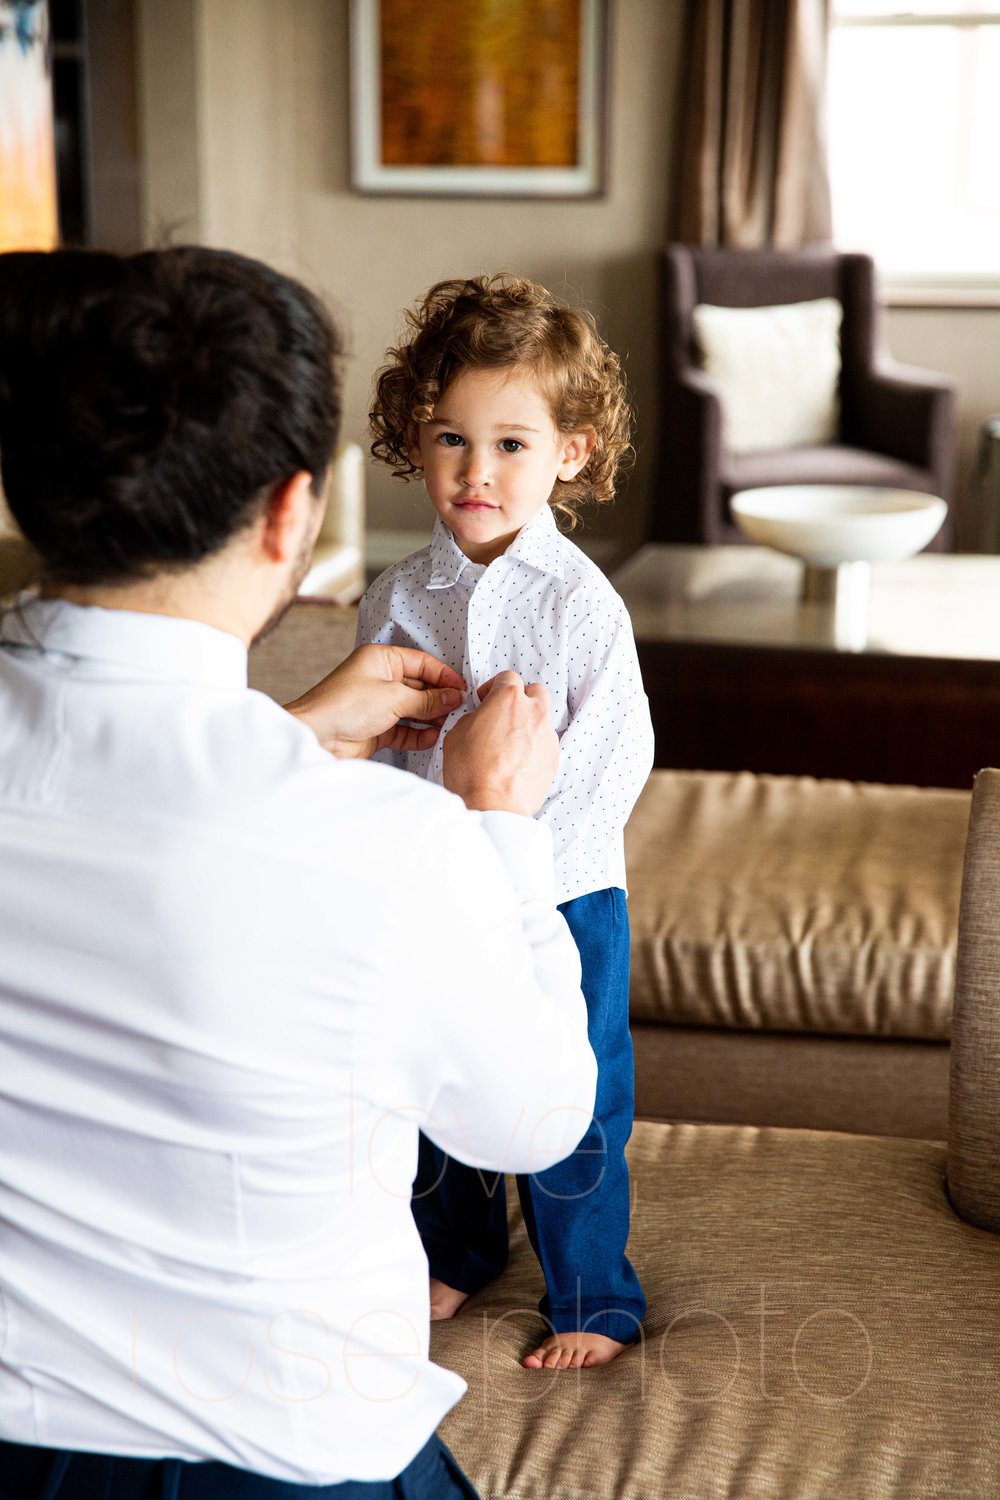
{"x": 212, "y": 1072}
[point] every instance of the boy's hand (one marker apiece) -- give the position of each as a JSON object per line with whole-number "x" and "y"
{"x": 502, "y": 757}
{"x": 356, "y": 709}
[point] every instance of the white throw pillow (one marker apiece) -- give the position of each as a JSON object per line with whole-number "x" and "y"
{"x": 776, "y": 370}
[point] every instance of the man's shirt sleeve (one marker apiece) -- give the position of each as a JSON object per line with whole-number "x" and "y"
{"x": 492, "y": 1028}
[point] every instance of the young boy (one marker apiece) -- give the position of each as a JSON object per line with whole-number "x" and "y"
{"x": 512, "y": 408}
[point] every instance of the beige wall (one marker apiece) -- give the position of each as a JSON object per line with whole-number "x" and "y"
{"x": 246, "y": 142}
{"x": 262, "y": 166}
{"x": 964, "y": 343}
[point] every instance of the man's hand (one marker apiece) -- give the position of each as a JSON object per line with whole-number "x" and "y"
{"x": 356, "y": 710}
{"x": 502, "y": 757}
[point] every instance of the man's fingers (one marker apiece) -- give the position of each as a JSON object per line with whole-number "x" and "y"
{"x": 419, "y": 685}
{"x": 433, "y": 689}
{"x": 504, "y": 755}
{"x": 417, "y": 667}
{"x": 536, "y": 690}
{"x": 429, "y": 705}
{"x": 502, "y": 679}
{"x": 407, "y": 737}
{"x": 427, "y": 702}
{"x": 361, "y": 701}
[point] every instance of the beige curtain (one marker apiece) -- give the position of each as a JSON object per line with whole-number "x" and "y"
{"x": 752, "y": 169}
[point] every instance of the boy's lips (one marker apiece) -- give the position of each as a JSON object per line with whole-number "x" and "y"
{"x": 475, "y": 505}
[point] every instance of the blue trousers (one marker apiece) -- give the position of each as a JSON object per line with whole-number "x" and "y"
{"x": 54, "y": 1474}
{"x": 576, "y": 1213}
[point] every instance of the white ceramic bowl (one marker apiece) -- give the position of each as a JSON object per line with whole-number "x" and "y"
{"x": 829, "y": 524}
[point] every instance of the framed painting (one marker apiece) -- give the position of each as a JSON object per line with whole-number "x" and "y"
{"x": 471, "y": 97}
{"x": 28, "y": 215}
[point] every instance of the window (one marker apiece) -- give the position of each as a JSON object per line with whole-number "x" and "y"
{"x": 914, "y": 127}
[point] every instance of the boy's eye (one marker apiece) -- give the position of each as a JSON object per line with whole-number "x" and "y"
{"x": 451, "y": 439}
{"x": 511, "y": 445}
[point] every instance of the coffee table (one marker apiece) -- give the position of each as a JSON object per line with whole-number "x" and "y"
{"x": 742, "y": 675}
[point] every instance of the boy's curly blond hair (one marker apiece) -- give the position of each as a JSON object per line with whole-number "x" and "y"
{"x": 497, "y": 323}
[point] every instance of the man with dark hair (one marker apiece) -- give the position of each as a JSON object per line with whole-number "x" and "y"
{"x": 237, "y": 971}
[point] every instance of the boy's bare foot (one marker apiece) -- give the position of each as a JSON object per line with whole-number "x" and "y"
{"x": 573, "y": 1351}
{"x": 445, "y": 1300}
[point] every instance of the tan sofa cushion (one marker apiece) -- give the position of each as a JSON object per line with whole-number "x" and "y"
{"x": 820, "y": 1324}
{"x": 790, "y": 904}
{"x": 867, "y": 1085}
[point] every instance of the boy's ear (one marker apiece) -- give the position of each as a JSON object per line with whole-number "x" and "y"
{"x": 413, "y": 447}
{"x": 577, "y": 448}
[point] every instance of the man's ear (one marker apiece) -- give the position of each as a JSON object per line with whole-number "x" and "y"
{"x": 290, "y": 512}
{"x": 577, "y": 448}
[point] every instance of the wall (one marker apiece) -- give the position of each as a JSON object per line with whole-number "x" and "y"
{"x": 964, "y": 343}
{"x": 261, "y": 163}
{"x": 245, "y": 115}
{"x": 170, "y": 125}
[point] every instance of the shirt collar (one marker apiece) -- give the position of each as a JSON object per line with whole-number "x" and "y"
{"x": 448, "y": 561}
{"x": 538, "y": 543}
{"x": 159, "y": 646}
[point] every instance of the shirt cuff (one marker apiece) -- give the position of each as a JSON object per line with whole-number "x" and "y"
{"x": 526, "y": 850}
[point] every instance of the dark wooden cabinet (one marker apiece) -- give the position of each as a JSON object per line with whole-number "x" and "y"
{"x": 739, "y": 678}
{"x": 920, "y": 723}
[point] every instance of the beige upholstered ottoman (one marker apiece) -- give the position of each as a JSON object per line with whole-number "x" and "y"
{"x": 793, "y": 950}
{"x": 821, "y": 1326}
{"x": 309, "y": 641}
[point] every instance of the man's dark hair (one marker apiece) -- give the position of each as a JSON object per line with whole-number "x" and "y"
{"x": 149, "y": 403}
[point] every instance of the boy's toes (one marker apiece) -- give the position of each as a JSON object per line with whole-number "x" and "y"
{"x": 573, "y": 1351}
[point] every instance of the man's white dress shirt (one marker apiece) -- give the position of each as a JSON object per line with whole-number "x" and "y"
{"x": 544, "y": 610}
{"x": 235, "y": 977}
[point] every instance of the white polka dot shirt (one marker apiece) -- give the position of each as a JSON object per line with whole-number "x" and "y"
{"x": 546, "y": 611}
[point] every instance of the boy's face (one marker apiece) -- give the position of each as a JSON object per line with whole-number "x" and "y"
{"x": 492, "y": 456}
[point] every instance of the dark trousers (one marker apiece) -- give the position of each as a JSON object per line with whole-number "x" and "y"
{"x": 576, "y": 1213}
{"x": 54, "y": 1474}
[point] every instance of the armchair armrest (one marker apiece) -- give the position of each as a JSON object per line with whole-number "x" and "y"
{"x": 702, "y": 388}
{"x": 20, "y": 564}
{"x": 908, "y": 414}
{"x": 687, "y": 511}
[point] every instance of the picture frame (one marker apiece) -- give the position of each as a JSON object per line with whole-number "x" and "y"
{"x": 458, "y": 98}
{"x": 29, "y": 215}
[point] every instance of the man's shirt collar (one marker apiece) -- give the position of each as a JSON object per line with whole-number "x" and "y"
{"x": 538, "y": 544}
{"x": 159, "y": 646}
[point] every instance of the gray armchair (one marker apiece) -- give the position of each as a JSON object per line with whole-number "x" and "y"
{"x": 897, "y": 425}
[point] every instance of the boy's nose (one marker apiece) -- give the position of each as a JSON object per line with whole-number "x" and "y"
{"x": 475, "y": 470}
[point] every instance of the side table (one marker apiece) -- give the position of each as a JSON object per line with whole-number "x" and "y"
{"x": 741, "y": 675}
